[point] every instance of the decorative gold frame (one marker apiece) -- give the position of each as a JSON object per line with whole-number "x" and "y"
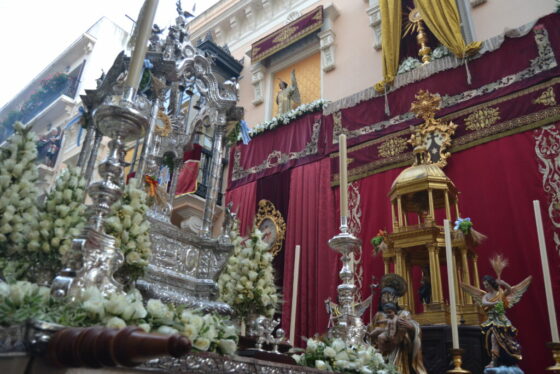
{"x": 425, "y": 107}
{"x": 267, "y": 211}
{"x": 164, "y": 130}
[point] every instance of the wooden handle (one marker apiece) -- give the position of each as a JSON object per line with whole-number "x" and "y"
{"x": 101, "y": 346}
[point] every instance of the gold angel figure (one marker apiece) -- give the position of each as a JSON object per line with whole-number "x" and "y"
{"x": 500, "y": 336}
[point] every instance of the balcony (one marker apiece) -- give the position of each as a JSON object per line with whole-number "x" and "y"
{"x": 57, "y": 91}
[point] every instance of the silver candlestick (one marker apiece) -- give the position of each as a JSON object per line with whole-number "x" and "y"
{"x": 122, "y": 121}
{"x": 348, "y": 325}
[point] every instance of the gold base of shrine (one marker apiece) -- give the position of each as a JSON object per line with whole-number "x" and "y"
{"x": 438, "y": 314}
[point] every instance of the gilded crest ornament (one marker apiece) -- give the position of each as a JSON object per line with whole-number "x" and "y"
{"x": 547, "y": 98}
{"x": 432, "y": 134}
{"x": 392, "y": 147}
{"x": 271, "y": 223}
{"x": 163, "y": 126}
{"x": 482, "y": 118}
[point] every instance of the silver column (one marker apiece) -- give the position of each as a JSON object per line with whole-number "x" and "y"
{"x": 213, "y": 181}
{"x": 148, "y": 140}
{"x": 93, "y": 156}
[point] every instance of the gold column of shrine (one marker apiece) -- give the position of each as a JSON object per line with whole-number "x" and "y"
{"x": 424, "y": 194}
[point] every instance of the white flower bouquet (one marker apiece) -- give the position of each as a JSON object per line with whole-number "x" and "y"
{"x": 247, "y": 282}
{"x": 131, "y": 229}
{"x": 207, "y": 332}
{"x": 335, "y": 355}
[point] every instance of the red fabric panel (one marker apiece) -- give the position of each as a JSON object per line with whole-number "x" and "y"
{"x": 311, "y": 223}
{"x": 194, "y": 153}
{"x": 490, "y": 67}
{"x": 498, "y": 182}
{"x": 244, "y": 204}
{"x": 187, "y": 182}
{"x": 266, "y": 154}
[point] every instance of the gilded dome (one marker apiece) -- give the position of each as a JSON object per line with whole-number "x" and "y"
{"x": 418, "y": 172}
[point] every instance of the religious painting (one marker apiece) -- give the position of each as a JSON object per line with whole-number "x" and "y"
{"x": 270, "y": 222}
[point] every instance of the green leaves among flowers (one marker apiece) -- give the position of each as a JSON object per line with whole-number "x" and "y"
{"x": 463, "y": 224}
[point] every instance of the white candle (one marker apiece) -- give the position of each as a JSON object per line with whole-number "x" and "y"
{"x": 144, "y": 27}
{"x": 546, "y": 274}
{"x": 294, "y": 296}
{"x": 343, "y": 173}
{"x": 451, "y": 285}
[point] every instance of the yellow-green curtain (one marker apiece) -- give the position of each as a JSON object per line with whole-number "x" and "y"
{"x": 442, "y": 18}
{"x": 391, "y": 29}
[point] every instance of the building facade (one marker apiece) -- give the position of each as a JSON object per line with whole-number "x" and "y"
{"x": 51, "y": 102}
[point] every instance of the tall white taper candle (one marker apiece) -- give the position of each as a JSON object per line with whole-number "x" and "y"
{"x": 451, "y": 283}
{"x": 295, "y": 286}
{"x": 546, "y": 274}
{"x": 144, "y": 27}
{"x": 343, "y": 173}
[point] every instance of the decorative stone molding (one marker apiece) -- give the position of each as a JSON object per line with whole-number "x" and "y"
{"x": 374, "y": 13}
{"x": 327, "y": 50}
{"x": 326, "y": 38}
{"x": 293, "y": 16}
{"x": 257, "y": 80}
{"x": 219, "y": 34}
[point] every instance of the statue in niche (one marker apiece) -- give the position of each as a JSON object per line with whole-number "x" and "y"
{"x": 394, "y": 332}
{"x": 288, "y": 96}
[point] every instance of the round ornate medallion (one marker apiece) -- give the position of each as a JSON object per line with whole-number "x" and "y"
{"x": 270, "y": 222}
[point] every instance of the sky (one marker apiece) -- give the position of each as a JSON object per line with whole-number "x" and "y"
{"x": 35, "y": 32}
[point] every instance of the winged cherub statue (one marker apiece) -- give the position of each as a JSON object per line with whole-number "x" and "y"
{"x": 499, "y": 334}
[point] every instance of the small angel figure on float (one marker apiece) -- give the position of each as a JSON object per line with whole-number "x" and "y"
{"x": 500, "y": 336}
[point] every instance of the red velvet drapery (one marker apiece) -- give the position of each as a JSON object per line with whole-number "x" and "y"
{"x": 244, "y": 204}
{"x": 311, "y": 223}
{"x": 498, "y": 182}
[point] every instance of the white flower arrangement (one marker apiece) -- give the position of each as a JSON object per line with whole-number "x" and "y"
{"x": 335, "y": 355}
{"x": 285, "y": 118}
{"x": 18, "y": 193}
{"x": 247, "y": 282}
{"x": 63, "y": 216}
{"x": 131, "y": 229}
{"x": 207, "y": 332}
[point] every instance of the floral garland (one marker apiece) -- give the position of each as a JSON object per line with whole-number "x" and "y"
{"x": 336, "y": 356}
{"x": 285, "y": 118}
{"x": 23, "y": 300}
{"x": 247, "y": 282}
{"x": 411, "y": 63}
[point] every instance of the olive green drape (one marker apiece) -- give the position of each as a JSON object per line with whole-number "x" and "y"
{"x": 391, "y": 30}
{"x": 443, "y": 20}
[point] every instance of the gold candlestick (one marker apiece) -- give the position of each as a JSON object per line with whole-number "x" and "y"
{"x": 415, "y": 25}
{"x": 555, "y": 347}
{"x": 457, "y": 362}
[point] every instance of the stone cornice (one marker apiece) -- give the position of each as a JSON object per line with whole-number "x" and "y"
{"x": 254, "y": 19}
